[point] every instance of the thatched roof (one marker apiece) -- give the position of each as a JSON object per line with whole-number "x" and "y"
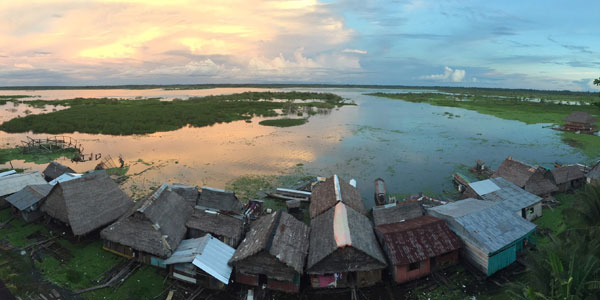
{"x": 539, "y": 185}
{"x": 514, "y": 171}
{"x": 220, "y": 199}
{"x": 13, "y": 183}
{"x": 336, "y": 229}
{"x": 278, "y": 234}
{"x": 55, "y": 169}
{"x": 327, "y": 194}
{"x": 156, "y": 225}
{"x": 417, "y": 239}
{"x": 595, "y": 172}
{"x": 566, "y": 174}
{"x": 187, "y": 192}
{"x": 397, "y": 212}
{"x": 29, "y": 196}
{"x": 581, "y": 117}
{"x": 87, "y": 203}
{"x": 216, "y": 224}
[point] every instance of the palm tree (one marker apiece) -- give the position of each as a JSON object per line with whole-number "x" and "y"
{"x": 583, "y": 218}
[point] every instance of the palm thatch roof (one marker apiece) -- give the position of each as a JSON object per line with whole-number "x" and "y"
{"x": 397, "y": 212}
{"x": 566, "y": 174}
{"x": 581, "y": 117}
{"x": 278, "y": 234}
{"x": 87, "y": 203}
{"x": 342, "y": 240}
{"x": 220, "y": 199}
{"x": 29, "y": 196}
{"x": 187, "y": 192}
{"x": 54, "y": 169}
{"x": 216, "y": 224}
{"x": 539, "y": 185}
{"x": 514, "y": 171}
{"x": 156, "y": 225}
{"x": 327, "y": 194}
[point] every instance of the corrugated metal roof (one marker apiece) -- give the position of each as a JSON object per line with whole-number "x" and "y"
{"x": 64, "y": 178}
{"x": 14, "y": 183}
{"x": 510, "y": 195}
{"x": 484, "y": 187}
{"x": 488, "y": 225}
{"x": 29, "y": 196}
{"x": 187, "y": 250}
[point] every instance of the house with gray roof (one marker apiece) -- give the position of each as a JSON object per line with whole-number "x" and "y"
{"x": 26, "y": 202}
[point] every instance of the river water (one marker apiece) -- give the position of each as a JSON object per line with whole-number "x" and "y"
{"x": 414, "y": 147}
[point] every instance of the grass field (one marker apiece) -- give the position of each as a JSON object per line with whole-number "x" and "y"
{"x": 9, "y": 154}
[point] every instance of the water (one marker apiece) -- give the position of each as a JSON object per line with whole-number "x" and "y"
{"x": 414, "y": 147}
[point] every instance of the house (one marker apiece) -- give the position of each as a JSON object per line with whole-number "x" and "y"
{"x": 418, "y": 246}
{"x": 26, "y": 202}
{"x": 87, "y": 203}
{"x": 593, "y": 176}
{"x": 201, "y": 261}
{"x": 396, "y": 212}
{"x": 150, "y": 232}
{"x": 343, "y": 250}
{"x": 54, "y": 169}
{"x": 228, "y": 229}
{"x": 530, "y": 178}
{"x": 523, "y": 203}
{"x": 491, "y": 234}
{"x": 327, "y": 194}
{"x": 187, "y": 192}
{"x": 567, "y": 177}
{"x": 581, "y": 121}
{"x": 273, "y": 253}
{"x": 221, "y": 200}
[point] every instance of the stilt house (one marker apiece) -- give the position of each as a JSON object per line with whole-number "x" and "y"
{"x": 26, "y": 202}
{"x": 527, "y": 177}
{"x": 54, "y": 169}
{"x": 581, "y": 121}
{"x": 397, "y": 212}
{"x": 228, "y": 229}
{"x": 567, "y": 177}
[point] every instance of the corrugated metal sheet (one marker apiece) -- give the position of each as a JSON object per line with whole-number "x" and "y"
{"x": 488, "y": 225}
{"x": 187, "y": 250}
{"x": 29, "y": 196}
{"x": 510, "y": 195}
{"x": 214, "y": 259}
{"x": 14, "y": 183}
{"x": 64, "y": 178}
{"x": 484, "y": 187}
{"x": 502, "y": 260}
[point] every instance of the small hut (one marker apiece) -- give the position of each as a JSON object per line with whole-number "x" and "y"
{"x": 567, "y": 177}
{"x": 593, "y": 176}
{"x": 418, "y": 246}
{"x": 87, "y": 203}
{"x": 538, "y": 184}
{"x": 397, "y": 212}
{"x": 344, "y": 252}
{"x": 514, "y": 171}
{"x": 26, "y": 201}
{"x": 226, "y": 228}
{"x": 273, "y": 253}
{"x": 221, "y": 200}
{"x": 327, "y": 194}
{"x": 54, "y": 169}
{"x": 201, "y": 261}
{"x": 492, "y": 235}
{"x": 581, "y": 121}
{"x": 523, "y": 203}
{"x": 151, "y": 232}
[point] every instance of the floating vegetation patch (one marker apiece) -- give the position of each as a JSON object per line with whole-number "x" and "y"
{"x": 286, "y": 122}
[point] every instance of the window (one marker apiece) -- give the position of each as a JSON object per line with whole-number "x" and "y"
{"x": 414, "y": 266}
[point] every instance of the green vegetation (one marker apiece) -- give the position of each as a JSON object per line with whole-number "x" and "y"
{"x": 122, "y": 117}
{"x": 38, "y": 158}
{"x": 118, "y": 171}
{"x": 286, "y": 122}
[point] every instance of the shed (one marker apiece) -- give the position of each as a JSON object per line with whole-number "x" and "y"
{"x": 343, "y": 250}
{"x": 273, "y": 253}
{"x": 221, "y": 200}
{"x": 581, "y": 121}
{"x": 202, "y": 261}
{"x": 226, "y": 228}
{"x": 327, "y": 194}
{"x": 567, "y": 177}
{"x": 87, "y": 203}
{"x": 418, "y": 246}
{"x": 54, "y": 169}
{"x": 492, "y": 235}
{"x": 26, "y": 201}
{"x": 16, "y": 182}
{"x": 152, "y": 230}
{"x": 396, "y": 212}
{"x": 518, "y": 200}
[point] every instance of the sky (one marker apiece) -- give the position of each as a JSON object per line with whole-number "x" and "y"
{"x": 508, "y": 44}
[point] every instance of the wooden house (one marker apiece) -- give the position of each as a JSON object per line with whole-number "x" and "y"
{"x": 581, "y": 121}
{"x": 418, "y": 246}
{"x": 201, "y": 261}
{"x": 87, "y": 203}
{"x": 567, "y": 177}
{"x": 491, "y": 234}
{"x": 54, "y": 169}
{"x": 530, "y": 178}
{"x": 13, "y": 183}
{"x": 228, "y": 229}
{"x": 220, "y": 200}
{"x": 343, "y": 252}
{"x": 273, "y": 253}
{"x": 518, "y": 200}
{"x": 26, "y": 202}
{"x": 152, "y": 230}
{"x": 328, "y": 193}
{"x": 396, "y": 212}
{"x": 593, "y": 176}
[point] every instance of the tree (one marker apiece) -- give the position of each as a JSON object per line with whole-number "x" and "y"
{"x": 583, "y": 219}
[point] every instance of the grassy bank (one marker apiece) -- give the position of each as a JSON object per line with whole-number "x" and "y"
{"x": 9, "y": 154}
{"x": 124, "y": 117}
{"x": 283, "y": 122}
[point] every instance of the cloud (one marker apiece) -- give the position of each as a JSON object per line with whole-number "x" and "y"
{"x": 23, "y": 66}
{"x": 448, "y": 75}
{"x": 357, "y": 51}
{"x": 582, "y": 49}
